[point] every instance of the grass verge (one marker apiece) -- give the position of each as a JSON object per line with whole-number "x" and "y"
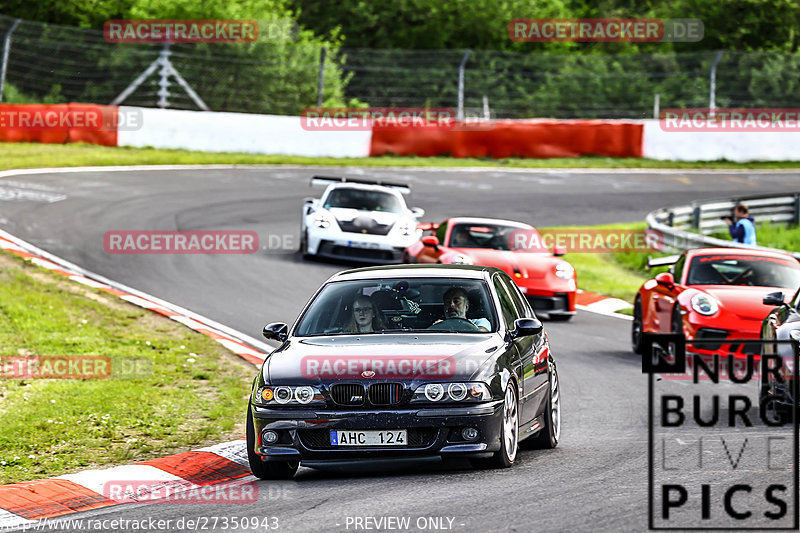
{"x": 170, "y": 389}
{"x": 618, "y": 275}
{"x": 34, "y": 155}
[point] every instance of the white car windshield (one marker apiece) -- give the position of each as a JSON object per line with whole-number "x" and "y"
{"x": 394, "y": 305}
{"x": 363, "y": 200}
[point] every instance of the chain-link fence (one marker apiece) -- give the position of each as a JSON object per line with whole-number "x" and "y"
{"x": 49, "y": 63}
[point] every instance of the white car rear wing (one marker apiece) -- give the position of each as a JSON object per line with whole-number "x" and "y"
{"x": 403, "y": 188}
{"x": 662, "y": 261}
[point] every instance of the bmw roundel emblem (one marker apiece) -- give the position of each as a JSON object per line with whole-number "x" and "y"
{"x": 368, "y": 374}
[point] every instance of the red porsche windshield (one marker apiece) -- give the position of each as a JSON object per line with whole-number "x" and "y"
{"x": 747, "y": 270}
{"x": 492, "y": 236}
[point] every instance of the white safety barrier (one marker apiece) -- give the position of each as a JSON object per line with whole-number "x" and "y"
{"x": 238, "y": 132}
{"x": 712, "y": 146}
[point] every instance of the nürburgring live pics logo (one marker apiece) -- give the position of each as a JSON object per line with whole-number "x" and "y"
{"x": 717, "y": 458}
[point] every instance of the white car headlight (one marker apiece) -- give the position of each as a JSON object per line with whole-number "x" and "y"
{"x": 704, "y": 304}
{"x": 322, "y": 221}
{"x": 462, "y": 260}
{"x": 564, "y": 270}
{"x": 404, "y": 229}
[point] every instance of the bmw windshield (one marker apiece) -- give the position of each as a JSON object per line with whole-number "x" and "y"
{"x": 452, "y": 305}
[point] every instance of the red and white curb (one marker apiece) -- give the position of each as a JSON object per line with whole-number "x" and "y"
{"x": 24, "y": 503}
{"x": 602, "y": 305}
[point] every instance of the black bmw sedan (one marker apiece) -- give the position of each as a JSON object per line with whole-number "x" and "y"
{"x": 408, "y": 362}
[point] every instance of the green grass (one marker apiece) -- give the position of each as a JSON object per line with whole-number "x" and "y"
{"x": 618, "y": 275}
{"x": 32, "y": 155}
{"x": 170, "y": 389}
{"x": 771, "y": 235}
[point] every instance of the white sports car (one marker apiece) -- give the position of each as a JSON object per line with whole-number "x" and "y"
{"x": 359, "y": 220}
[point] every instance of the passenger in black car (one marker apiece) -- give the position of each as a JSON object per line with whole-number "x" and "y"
{"x": 365, "y": 317}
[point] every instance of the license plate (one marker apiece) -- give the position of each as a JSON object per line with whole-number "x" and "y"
{"x": 365, "y": 245}
{"x": 394, "y": 437}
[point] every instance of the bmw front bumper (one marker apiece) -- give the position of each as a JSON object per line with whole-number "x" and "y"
{"x": 432, "y": 432}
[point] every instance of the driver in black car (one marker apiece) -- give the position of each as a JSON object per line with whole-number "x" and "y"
{"x": 456, "y": 304}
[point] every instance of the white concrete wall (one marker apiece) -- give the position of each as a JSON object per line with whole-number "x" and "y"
{"x": 712, "y": 146}
{"x": 237, "y": 132}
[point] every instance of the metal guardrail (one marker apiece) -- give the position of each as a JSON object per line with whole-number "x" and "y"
{"x": 688, "y": 226}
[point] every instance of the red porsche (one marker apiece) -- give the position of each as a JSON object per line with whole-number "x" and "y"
{"x": 712, "y": 294}
{"x": 548, "y": 282}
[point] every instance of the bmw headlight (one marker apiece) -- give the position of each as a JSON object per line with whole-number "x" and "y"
{"x": 322, "y": 221}
{"x": 268, "y": 396}
{"x": 452, "y": 392}
{"x": 404, "y": 229}
{"x": 704, "y": 304}
{"x": 564, "y": 270}
{"x": 462, "y": 260}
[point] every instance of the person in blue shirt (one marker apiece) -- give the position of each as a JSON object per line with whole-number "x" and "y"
{"x": 742, "y": 227}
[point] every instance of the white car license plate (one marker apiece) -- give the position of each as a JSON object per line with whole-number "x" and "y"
{"x": 365, "y": 245}
{"x": 393, "y": 437}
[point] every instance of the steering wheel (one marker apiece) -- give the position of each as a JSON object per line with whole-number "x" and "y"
{"x": 459, "y": 324}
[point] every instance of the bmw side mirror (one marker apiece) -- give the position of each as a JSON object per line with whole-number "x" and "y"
{"x": 525, "y": 327}
{"x": 773, "y": 298}
{"x": 276, "y": 331}
{"x": 418, "y": 212}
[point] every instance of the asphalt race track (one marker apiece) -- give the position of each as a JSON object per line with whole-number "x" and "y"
{"x": 596, "y": 480}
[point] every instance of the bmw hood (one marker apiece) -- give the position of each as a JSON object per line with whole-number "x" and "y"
{"x": 385, "y": 357}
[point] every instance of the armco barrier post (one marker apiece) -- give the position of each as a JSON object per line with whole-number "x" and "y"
{"x": 696, "y": 214}
{"x": 796, "y": 212}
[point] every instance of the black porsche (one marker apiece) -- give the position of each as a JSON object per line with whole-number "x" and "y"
{"x": 416, "y": 380}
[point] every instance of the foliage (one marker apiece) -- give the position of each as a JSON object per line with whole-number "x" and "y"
{"x": 770, "y": 25}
